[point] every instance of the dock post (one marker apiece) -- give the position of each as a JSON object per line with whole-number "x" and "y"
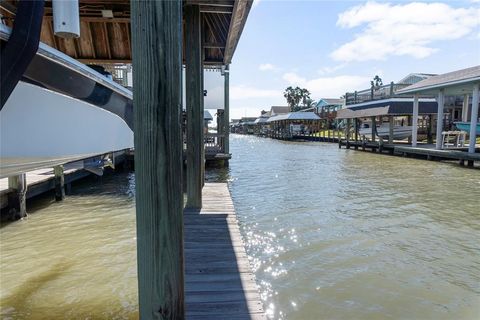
{"x": 17, "y": 200}
{"x": 194, "y": 104}
{"x": 157, "y": 64}
{"x": 347, "y": 132}
{"x": 440, "y": 102}
{"x": 473, "y": 119}
{"x": 465, "y": 107}
{"x": 59, "y": 183}
{"x": 415, "y": 120}
{"x": 390, "y": 129}
{"x": 374, "y": 127}
{"x": 226, "y": 111}
{"x": 430, "y": 129}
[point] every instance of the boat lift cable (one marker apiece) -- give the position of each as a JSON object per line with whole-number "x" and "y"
{"x": 22, "y": 46}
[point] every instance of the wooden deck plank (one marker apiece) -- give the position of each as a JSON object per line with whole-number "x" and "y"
{"x": 219, "y": 282}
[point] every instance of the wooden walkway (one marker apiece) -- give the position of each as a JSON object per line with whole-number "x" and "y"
{"x": 219, "y": 283}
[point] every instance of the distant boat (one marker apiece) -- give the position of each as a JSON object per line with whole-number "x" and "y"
{"x": 383, "y": 131}
{"x": 465, "y": 126}
{"x": 61, "y": 111}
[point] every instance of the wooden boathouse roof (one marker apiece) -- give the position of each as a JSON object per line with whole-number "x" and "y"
{"x": 105, "y": 40}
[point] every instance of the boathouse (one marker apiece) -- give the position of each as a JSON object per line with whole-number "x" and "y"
{"x": 463, "y": 83}
{"x": 294, "y": 125}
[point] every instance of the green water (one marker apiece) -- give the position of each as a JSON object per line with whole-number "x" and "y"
{"x": 331, "y": 234}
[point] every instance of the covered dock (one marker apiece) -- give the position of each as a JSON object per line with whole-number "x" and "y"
{"x": 464, "y": 83}
{"x": 294, "y": 125}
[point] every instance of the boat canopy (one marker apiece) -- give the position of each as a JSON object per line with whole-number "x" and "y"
{"x": 295, "y": 116}
{"x": 393, "y": 107}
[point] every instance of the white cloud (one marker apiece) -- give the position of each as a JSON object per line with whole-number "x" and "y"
{"x": 255, "y": 3}
{"x": 245, "y": 92}
{"x": 328, "y": 87}
{"x": 403, "y": 29}
{"x": 328, "y": 70}
{"x": 267, "y": 67}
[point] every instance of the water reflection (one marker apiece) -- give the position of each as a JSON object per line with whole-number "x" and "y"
{"x": 75, "y": 259}
{"x": 343, "y": 234}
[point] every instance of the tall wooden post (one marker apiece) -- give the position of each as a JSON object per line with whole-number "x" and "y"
{"x": 17, "y": 200}
{"x": 59, "y": 183}
{"x": 415, "y": 120}
{"x": 374, "y": 127}
{"x": 194, "y": 103}
{"x": 430, "y": 129}
{"x": 226, "y": 113}
{"x": 438, "y": 136}
{"x": 347, "y": 132}
{"x": 157, "y": 65}
{"x": 474, "y": 118}
{"x": 390, "y": 129}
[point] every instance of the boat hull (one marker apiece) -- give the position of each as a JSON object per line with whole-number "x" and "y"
{"x": 399, "y": 132}
{"x": 465, "y": 126}
{"x": 42, "y": 128}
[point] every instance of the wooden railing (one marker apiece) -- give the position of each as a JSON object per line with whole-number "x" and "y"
{"x": 374, "y": 93}
{"x": 214, "y": 143}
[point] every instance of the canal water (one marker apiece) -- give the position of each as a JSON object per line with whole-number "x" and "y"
{"x": 331, "y": 234}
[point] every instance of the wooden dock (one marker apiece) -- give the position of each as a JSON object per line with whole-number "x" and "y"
{"x": 40, "y": 181}
{"x": 425, "y": 151}
{"x": 219, "y": 283}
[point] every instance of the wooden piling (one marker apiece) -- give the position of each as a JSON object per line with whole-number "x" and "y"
{"x": 157, "y": 65}
{"x": 226, "y": 112}
{"x": 390, "y": 129}
{"x": 374, "y": 128}
{"x": 194, "y": 104}
{"x": 59, "y": 183}
{"x": 17, "y": 200}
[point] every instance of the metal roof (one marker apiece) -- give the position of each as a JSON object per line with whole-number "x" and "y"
{"x": 207, "y": 116}
{"x": 295, "y": 116}
{"x": 261, "y": 120}
{"x": 454, "y": 83}
{"x": 393, "y": 106}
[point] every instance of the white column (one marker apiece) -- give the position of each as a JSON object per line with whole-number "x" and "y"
{"x": 474, "y": 118}
{"x": 465, "y": 108}
{"x": 440, "y": 101}
{"x": 415, "y": 120}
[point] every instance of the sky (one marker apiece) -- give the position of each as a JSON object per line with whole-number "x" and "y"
{"x": 331, "y": 47}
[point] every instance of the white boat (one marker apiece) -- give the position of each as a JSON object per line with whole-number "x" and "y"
{"x": 383, "y": 131}
{"x": 61, "y": 111}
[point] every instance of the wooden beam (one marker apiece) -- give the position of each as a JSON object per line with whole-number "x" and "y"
{"x": 215, "y": 9}
{"x": 127, "y": 27}
{"x": 96, "y": 19}
{"x": 8, "y": 7}
{"x": 213, "y": 45}
{"x": 237, "y": 22}
{"x": 89, "y": 28}
{"x": 107, "y": 40}
{"x": 156, "y": 42}
{"x": 219, "y": 3}
{"x": 194, "y": 105}
{"x": 105, "y": 61}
